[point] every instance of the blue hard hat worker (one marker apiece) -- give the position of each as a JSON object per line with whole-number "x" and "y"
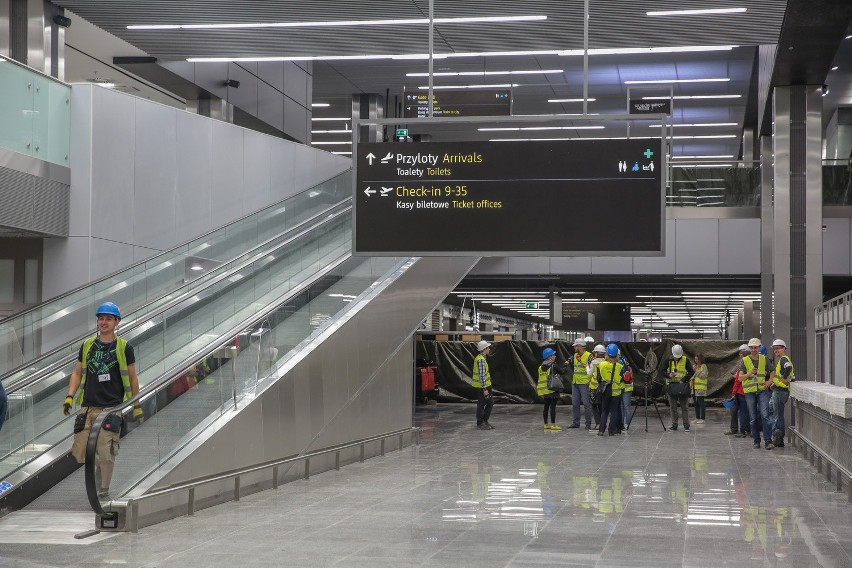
{"x": 108, "y": 309}
{"x": 547, "y": 353}
{"x": 612, "y": 350}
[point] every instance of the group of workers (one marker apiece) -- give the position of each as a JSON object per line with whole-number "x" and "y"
{"x": 602, "y": 382}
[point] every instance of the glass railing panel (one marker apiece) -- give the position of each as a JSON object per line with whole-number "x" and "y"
{"x": 65, "y": 319}
{"x": 708, "y": 185}
{"x": 239, "y": 370}
{"x": 35, "y": 117}
{"x": 836, "y": 183}
{"x": 168, "y": 338}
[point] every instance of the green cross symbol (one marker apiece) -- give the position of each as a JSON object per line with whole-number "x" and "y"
{"x": 648, "y": 153}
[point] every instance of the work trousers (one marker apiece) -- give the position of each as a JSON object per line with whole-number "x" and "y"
{"x": 778, "y": 400}
{"x": 610, "y": 409}
{"x": 550, "y": 401}
{"x": 580, "y": 393}
{"x": 484, "y": 404}
{"x": 683, "y": 402}
{"x": 758, "y": 410}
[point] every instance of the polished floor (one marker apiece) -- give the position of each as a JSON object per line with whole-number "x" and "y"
{"x": 514, "y": 496}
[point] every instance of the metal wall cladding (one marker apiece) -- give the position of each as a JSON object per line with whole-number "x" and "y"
{"x": 33, "y": 204}
{"x": 829, "y": 433}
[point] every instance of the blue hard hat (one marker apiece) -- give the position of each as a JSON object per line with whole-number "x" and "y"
{"x": 109, "y": 309}
{"x": 763, "y": 349}
{"x": 547, "y": 353}
{"x": 612, "y": 350}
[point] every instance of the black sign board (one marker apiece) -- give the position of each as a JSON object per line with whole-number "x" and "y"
{"x": 638, "y": 106}
{"x": 560, "y": 198}
{"x": 475, "y": 102}
{"x": 579, "y": 316}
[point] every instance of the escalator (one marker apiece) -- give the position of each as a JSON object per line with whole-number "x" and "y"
{"x": 170, "y": 310}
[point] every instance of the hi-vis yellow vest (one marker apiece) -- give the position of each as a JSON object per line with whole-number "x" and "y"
{"x": 541, "y": 387}
{"x": 475, "y": 375}
{"x": 679, "y": 367}
{"x": 755, "y": 383}
{"x": 120, "y": 345}
{"x": 776, "y": 381}
{"x": 605, "y": 371}
{"x": 580, "y": 362}
{"x": 701, "y": 382}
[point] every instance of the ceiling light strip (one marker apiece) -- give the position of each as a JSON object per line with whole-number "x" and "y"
{"x": 697, "y": 12}
{"x": 338, "y": 23}
{"x": 667, "y": 81}
{"x": 688, "y": 97}
{"x": 486, "y": 73}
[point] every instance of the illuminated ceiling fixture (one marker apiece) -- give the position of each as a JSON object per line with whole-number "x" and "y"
{"x": 486, "y": 73}
{"x": 716, "y": 157}
{"x": 346, "y": 131}
{"x": 697, "y": 12}
{"x": 320, "y": 105}
{"x": 569, "y": 100}
{"x": 501, "y": 86}
{"x": 702, "y": 136}
{"x": 651, "y": 81}
{"x": 696, "y": 166}
{"x": 424, "y": 56}
{"x": 346, "y": 143}
{"x": 696, "y": 124}
{"x": 337, "y": 23}
{"x": 515, "y": 128}
{"x": 335, "y": 118}
{"x": 685, "y": 97}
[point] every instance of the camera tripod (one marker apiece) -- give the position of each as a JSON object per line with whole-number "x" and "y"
{"x": 648, "y": 383}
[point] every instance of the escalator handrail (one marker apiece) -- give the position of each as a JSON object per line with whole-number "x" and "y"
{"x": 171, "y": 250}
{"x": 177, "y": 370}
{"x": 40, "y": 374}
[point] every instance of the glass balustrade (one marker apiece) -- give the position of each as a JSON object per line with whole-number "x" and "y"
{"x": 713, "y": 185}
{"x": 29, "y": 336}
{"x": 162, "y": 340}
{"x": 35, "y": 114}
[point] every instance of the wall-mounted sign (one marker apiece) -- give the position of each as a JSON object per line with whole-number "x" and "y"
{"x": 559, "y": 198}
{"x": 638, "y": 106}
{"x": 473, "y": 102}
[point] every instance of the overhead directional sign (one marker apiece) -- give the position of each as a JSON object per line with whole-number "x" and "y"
{"x": 475, "y": 102}
{"x": 559, "y": 198}
{"x": 638, "y": 106}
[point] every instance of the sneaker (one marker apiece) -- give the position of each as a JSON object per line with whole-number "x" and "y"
{"x": 699, "y": 421}
{"x": 593, "y": 430}
{"x": 673, "y": 427}
{"x": 612, "y": 433}
{"x": 769, "y": 445}
{"x": 781, "y": 445}
{"x": 730, "y": 433}
{"x": 757, "y": 445}
{"x": 574, "y": 426}
{"x": 555, "y": 427}
{"x": 103, "y": 494}
{"x": 601, "y": 434}
{"x": 547, "y": 426}
{"x": 738, "y": 435}
{"x": 777, "y": 436}
{"x": 482, "y": 427}
{"x": 686, "y": 428}
{"x": 490, "y": 427}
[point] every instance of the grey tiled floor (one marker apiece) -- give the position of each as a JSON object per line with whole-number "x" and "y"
{"x": 515, "y": 496}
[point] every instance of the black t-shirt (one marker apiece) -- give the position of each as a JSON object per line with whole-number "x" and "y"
{"x": 102, "y": 361}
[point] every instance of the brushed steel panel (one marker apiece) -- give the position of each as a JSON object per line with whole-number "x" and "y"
{"x": 296, "y": 84}
{"x": 836, "y": 246}
{"x": 735, "y": 236}
{"x": 781, "y": 209}
{"x": 245, "y": 96}
{"x": 272, "y": 73}
{"x": 270, "y": 105}
{"x": 697, "y": 246}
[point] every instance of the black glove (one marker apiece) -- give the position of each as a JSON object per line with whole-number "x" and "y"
{"x": 66, "y": 406}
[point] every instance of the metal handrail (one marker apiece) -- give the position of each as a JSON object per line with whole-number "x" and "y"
{"x": 149, "y": 259}
{"x": 133, "y": 503}
{"x": 321, "y": 215}
{"x": 830, "y": 461}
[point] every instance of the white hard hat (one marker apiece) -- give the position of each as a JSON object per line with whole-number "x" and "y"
{"x": 579, "y": 342}
{"x": 590, "y": 339}
{"x": 779, "y": 343}
{"x": 743, "y": 347}
{"x": 677, "y": 351}
{"x": 482, "y": 345}
{"x": 754, "y": 342}
{"x": 599, "y": 348}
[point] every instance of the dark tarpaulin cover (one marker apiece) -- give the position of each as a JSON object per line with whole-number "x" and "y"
{"x": 514, "y": 367}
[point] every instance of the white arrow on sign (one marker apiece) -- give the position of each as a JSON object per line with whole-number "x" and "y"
{"x": 370, "y": 158}
{"x": 369, "y": 191}
{"x": 385, "y": 191}
{"x": 387, "y": 158}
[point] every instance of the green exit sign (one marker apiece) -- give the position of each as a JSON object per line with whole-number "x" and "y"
{"x": 532, "y": 305}
{"x": 402, "y": 132}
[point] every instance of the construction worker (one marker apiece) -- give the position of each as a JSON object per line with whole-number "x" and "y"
{"x": 677, "y": 385}
{"x": 105, "y": 376}
{"x": 580, "y": 384}
{"x": 780, "y": 379}
{"x": 755, "y": 378}
{"x": 592, "y": 370}
{"x": 611, "y": 380}
{"x": 481, "y": 380}
{"x": 551, "y": 398}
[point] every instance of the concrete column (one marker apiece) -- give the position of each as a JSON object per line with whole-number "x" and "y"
{"x": 797, "y": 258}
